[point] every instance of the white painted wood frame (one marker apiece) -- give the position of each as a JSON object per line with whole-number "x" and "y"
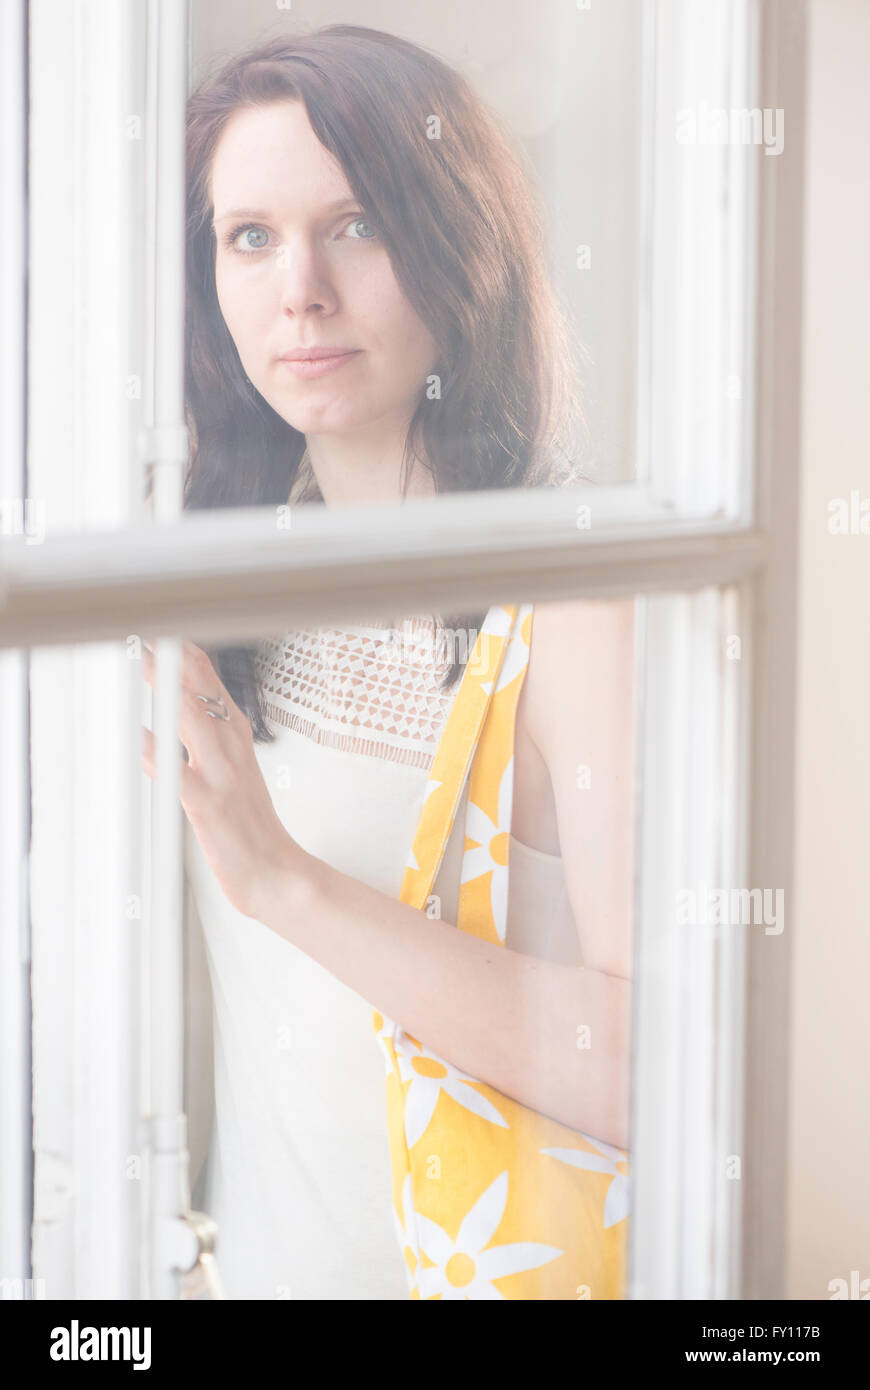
{"x": 713, "y": 550}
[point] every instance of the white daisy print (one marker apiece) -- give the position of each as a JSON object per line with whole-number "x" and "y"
{"x": 497, "y": 623}
{"x": 490, "y": 848}
{"x": 406, "y": 1231}
{"x": 429, "y": 1075}
{"x": 517, "y": 654}
{"x": 464, "y": 1268}
{"x": 618, "y": 1201}
{"x": 382, "y": 1032}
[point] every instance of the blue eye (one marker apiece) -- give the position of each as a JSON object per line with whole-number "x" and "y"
{"x": 249, "y": 230}
{"x": 360, "y": 222}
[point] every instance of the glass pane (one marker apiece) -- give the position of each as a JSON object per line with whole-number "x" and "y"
{"x": 505, "y": 1068}
{"x": 515, "y": 268}
{"x": 384, "y": 955}
{"x": 485, "y": 267}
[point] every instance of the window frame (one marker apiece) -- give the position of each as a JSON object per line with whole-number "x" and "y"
{"x": 481, "y": 549}
{"x": 16, "y": 1188}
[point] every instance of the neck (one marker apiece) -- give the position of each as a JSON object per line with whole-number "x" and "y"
{"x": 364, "y": 466}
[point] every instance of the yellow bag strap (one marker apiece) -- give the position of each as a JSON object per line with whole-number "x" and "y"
{"x": 481, "y": 720}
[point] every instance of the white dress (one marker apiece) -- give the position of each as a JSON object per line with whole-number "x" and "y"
{"x": 297, "y": 1172}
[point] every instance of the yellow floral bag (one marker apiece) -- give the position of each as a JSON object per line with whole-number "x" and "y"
{"x": 492, "y": 1199}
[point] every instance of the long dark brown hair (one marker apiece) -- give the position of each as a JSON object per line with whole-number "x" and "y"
{"x": 466, "y": 243}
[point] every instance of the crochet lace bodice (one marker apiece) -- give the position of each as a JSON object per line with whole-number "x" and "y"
{"x": 374, "y": 688}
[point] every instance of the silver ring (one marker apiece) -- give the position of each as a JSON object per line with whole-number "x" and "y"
{"x": 207, "y": 699}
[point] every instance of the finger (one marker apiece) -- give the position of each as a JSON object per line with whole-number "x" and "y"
{"x": 197, "y": 672}
{"x": 185, "y": 751}
{"x": 208, "y": 730}
{"x": 195, "y": 669}
{"x": 149, "y": 763}
{"x": 148, "y": 661}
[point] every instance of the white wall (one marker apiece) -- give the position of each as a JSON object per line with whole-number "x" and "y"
{"x": 829, "y": 1140}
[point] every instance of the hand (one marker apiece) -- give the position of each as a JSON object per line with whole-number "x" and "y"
{"x": 223, "y": 792}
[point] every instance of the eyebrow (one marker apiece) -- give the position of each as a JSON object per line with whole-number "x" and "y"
{"x": 263, "y": 214}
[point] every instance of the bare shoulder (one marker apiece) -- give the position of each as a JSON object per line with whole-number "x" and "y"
{"x": 580, "y": 663}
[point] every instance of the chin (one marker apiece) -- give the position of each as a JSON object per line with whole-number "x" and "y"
{"x": 323, "y": 417}
{"x": 315, "y": 421}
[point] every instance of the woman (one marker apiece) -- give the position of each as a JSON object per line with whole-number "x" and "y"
{"x": 369, "y": 318}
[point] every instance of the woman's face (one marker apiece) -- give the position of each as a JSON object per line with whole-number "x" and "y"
{"x": 297, "y": 267}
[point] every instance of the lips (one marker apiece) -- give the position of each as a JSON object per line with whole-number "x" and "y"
{"x": 314, "y": 354}
{"x": 312, "y": 362}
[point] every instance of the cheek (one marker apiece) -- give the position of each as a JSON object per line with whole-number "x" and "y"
{"x": 240, "y": 307}
{"x": 403, "y": 336}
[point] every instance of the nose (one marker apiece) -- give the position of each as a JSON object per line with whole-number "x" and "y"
{"x": 305, "y": 280}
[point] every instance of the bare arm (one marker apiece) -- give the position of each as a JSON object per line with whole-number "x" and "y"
{"x": 553, "y": 1037}
{"x": 509, "y": 1019}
